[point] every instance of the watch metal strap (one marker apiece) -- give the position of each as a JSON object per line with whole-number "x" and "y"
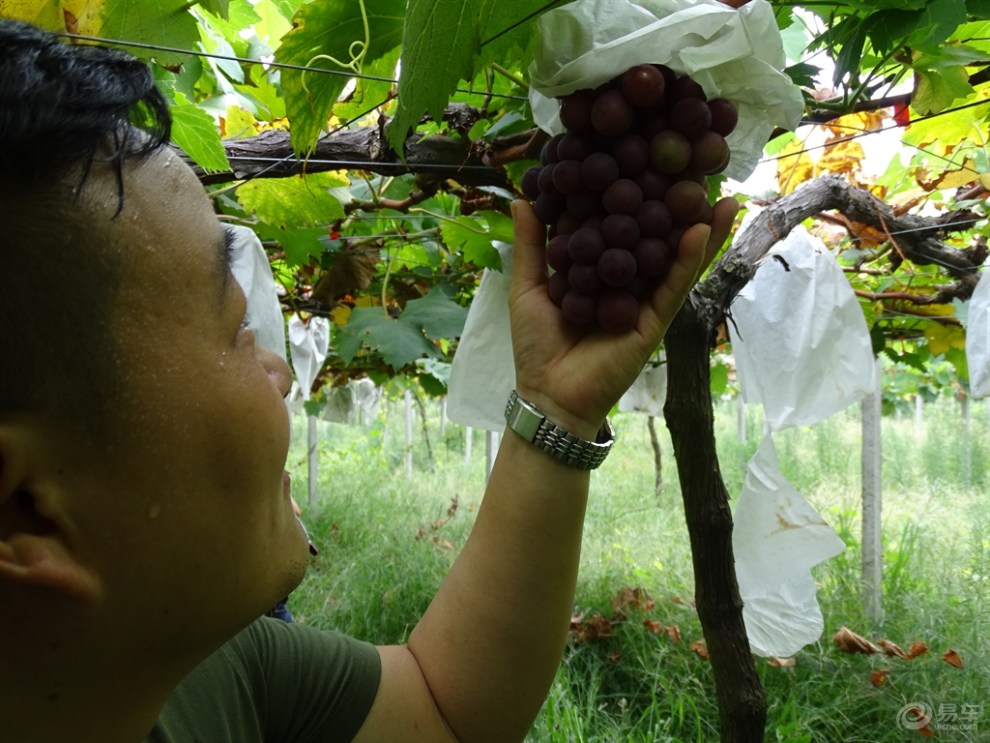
{"x": 533, "y": 426}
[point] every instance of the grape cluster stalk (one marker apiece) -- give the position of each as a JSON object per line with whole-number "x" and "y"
{"x": 620, "y": 186}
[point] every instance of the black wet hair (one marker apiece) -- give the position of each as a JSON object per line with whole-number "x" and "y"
{"x": 63, "y": 108}
{"x": 60, "y": 102}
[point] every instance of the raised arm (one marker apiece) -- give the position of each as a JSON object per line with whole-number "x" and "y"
{"x": 480, "y": 662}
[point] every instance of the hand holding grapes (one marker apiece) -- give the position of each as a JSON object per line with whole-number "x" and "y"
{"x": 620, "y": 187}
{"x": 576, "y": 375}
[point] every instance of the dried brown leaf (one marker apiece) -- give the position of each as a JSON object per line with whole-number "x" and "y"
{"x": 879, "y": 677}
{"x": 953, "y": 658}
{"x": 782, "y": 662}
{"x": 849, "y": 642}
{"x": 653, "y": 626}
{"x": 351, "y": 271}
{"x": 917, "y": 716}
{"x": 632, "y": 598}
{"x": 891, "y": 649}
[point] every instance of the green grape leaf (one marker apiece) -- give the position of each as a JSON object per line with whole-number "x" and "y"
{"x": 803, "y": 74}
{"x": 299, "y": 201}
{"x": 957, "y": 357}
{"x": 888, "y": 27}
{"x": 719, "y": 379}
{"x": 398, "y": 343}
{"x": 196, "y": 133}
{"x": 369, "y": 93}
{"x": 502, "y": 26}
{"x": 436, "y": 314}
{"x": 939, "y": 19}
{"x": 439, "y": 42}
{"x": 500, "y": 226}
{"x": 437, "y": 370}
{"x": 473, "y": 238}
{"x": 300, "y": 245}
{"x": 978, "y": 8}
{"x": 330, "y": 28}
{"x": 851, "y": 54}
{"x": 314, "y": 408}
{"x": 156, "y": 22}
{"x": 937, "y": 89}
{"x": 950, "y": 128}
{"x": 220, "y": 8}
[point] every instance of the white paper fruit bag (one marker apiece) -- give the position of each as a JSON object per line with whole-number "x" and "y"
{"x": 308, "y": 344}
{"x": 648, "y": 393}
{"x": 777, "y": 538}
{"x": 253, "y": 272}
{"x": 736, "y": 54}
{"x": 800, "y": 341}
{"x": 483, "y": 374}
{"x": 978, "y": 338}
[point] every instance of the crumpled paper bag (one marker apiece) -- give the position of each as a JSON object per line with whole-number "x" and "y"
{"x": 799, "y": 337}
{"x": 736, "y": 54}
{"x": 978, "y": 337}
{"x": 777, "y": 538}
{"x": 308, "y": 344}
{"x": 483, "y": 372}
{"x": 253, "y": 272}
{"x": 648, "y": 393}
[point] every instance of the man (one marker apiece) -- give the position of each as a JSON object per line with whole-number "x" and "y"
{"x": 145, "y": 518}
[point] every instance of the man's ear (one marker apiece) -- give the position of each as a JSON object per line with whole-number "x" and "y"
{"x": 35, "y": 551}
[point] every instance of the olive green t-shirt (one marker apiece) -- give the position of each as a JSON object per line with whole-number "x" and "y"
{"x": 274, "y": 682}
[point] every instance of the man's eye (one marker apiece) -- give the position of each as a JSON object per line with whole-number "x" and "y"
{"x": 246, "y": 323}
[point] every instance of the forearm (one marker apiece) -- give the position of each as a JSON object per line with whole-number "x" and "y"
{"x": 492, "y": 639}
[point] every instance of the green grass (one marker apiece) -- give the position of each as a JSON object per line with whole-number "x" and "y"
{"x": 387, "y": 539}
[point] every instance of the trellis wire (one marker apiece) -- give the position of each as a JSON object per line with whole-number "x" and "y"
{"x": 272, "y": 63}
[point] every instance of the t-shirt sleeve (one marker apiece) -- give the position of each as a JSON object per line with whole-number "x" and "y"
{"x": 275, "y": 682}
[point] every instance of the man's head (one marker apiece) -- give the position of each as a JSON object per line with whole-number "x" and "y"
{"x": 62, "y": 108}
{"x": 158, "y": 530}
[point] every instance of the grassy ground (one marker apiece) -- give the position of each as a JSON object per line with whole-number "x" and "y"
{"x": 387, "y": 539}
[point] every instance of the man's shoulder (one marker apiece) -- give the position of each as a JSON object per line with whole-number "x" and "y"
{"x": 271, "y": 679}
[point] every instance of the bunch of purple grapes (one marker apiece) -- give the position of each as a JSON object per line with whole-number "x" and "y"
{"x": 619, "y": 188}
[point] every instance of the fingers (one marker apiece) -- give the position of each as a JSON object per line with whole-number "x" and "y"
{"x": 698, "y": 247}
{"x": 528, "y": 255}
{"x": 724, "y": 216}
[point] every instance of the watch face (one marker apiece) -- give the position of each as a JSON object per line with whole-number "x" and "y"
{"x": 522, "y": 417}
{"x": 562, "y": 445}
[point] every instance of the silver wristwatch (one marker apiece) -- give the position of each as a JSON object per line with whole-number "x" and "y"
{"x": 527, "y": 421}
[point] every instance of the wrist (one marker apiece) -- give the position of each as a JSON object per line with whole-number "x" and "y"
{"x": 536, "y": 428}
{"x": 580, "y": 424}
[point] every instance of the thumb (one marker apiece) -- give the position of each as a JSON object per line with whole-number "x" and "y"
{"x": 529, "y": 250}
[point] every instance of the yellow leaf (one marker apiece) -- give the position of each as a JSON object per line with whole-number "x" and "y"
{"x": 951, "y": 178}
{"x": 75, "y": 16}
{"x": 239, "y": 123}
{"x": 854, "y": 123}
{"x": 44, "y": 13}
{"x": 941, "y": 338}
{"x": 340, "y": 314}
{"x": 843, "y": 157}
{"x": 83, "y": 16}
{"x": 367, "y": 300}
{"x": 794, "y": 166}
